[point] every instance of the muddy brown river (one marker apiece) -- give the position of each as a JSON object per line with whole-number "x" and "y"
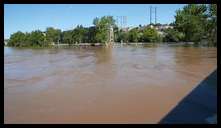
{"x": 119, "y": 84}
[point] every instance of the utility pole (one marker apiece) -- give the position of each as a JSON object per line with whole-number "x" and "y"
{"x": 121, "y": 21}
{"x": 118, "y": 21}
{"x": 150, "y": 14}
{"x": 155, "y": 15}
{"x": 124, "y": 21}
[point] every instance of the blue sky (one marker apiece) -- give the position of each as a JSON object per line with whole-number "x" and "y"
{"x": 29, "y": 17}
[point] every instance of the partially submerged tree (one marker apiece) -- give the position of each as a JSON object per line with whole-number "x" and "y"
{"x": 53, "y": 35}
{"x": 150, "y": 35}
{"x": 172, "y": 35}
{"x": 133, "y": 35}
{"x": 67, "y": 37}
{"x": 17, "y": 39}
{"x": 102, "y": 26}
{"x": 212, "y": 24}
{"x": 79, "y": 34}
{"x": 191, "y": 21}
{"x": 37, "y": 38}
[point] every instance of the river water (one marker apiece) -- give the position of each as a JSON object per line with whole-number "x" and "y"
{"x": 119, "y": 84}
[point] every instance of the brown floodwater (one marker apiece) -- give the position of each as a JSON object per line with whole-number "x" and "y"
{"x": 120, "y": 84}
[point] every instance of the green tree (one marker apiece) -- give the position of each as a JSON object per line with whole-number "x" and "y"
{"x": 122, "y": 36}
{"x": 133, "y": 35}
{"x": 27, "y": 41}
{"x": 102, "y": 27}
{"x": 172, "y": 35}
{"x": 91, "y": 35}
{"x": 17, "y": 39}
{"x": 79, "y": 34}
{"x": 67, "y": 37}
{"x": 37, "y": 38}
{"x": 150, "y": 35}
{"x": 191, "y": 21}
{"x": 53, "y": 35}
{"x": 212, "y": 24}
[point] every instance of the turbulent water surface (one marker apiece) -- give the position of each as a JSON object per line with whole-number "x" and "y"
{"x": 124, "y": 84}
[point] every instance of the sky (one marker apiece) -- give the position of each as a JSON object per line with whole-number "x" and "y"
{"x": 29, "y": 17}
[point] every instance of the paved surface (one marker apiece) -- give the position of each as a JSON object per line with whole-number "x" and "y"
{"x": 198, "y": 106}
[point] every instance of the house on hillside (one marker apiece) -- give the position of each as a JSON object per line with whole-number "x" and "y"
{"x": 126, "y": 29}
{"x": 5, "y": 41}
{"x": 163, "y": 27}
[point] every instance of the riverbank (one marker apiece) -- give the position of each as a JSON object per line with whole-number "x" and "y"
{"x": 186, "y": 44}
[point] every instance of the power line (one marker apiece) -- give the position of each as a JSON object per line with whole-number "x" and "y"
{"x": 155, "y": 15}
{"x": 121, "y": 21}
{"x": 150, "y": 14}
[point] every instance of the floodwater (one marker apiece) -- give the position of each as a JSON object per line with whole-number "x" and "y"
{"x": 120, "y": 84}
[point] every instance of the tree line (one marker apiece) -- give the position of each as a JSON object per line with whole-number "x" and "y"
{"x": 193, "y": 23}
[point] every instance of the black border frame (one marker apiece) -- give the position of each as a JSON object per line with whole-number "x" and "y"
{"x": 104, "y": 2}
